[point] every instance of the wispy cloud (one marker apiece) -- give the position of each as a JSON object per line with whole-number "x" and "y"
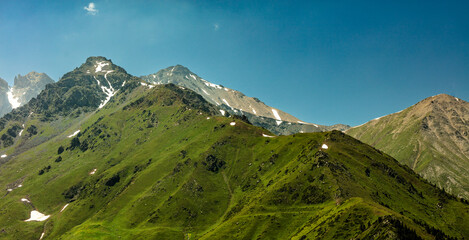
{"x": 91, "y": 9}
{"x": 216, "y": 26}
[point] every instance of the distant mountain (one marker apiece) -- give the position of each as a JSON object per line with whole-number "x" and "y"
{"x": 28, "y": 86}
{"x": 5, "y": 105}
{"x": 24, "y": 89}
{"x": 431, "y": 137}
{"x": 235, "y": 102}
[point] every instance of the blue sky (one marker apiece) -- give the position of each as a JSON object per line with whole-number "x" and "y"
{"x": 324, "y": 62}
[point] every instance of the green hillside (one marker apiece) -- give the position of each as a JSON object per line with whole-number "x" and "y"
{"x": 158, "y": 163}
{"x": 430, "y": 137}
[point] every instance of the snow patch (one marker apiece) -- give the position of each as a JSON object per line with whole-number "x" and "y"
{"x": 208, "y": 118}
{"x": 224, "y": 100}
{"x": 316, "y": 125}
{"x": 265, "y": 135}
{"x": 277, "y": 116}
{"x": 109, "y": 91}
{"x": 205, "y": 92}
{"x": 4, "y": 156}
{"x": 93, "y": 171}
{"x": 324, "y": 146}
{"x": 21, "y": 132}
{"x": 99, "y": 83}
{"x": 37, "y": 216}
{"x": 226, "y": 89}
{"x": 171, "y": 73}
{"x": 25, "y": 200}
{"x": 222, "y": 112}
{"x": 66, "y": 205}
{"x": 194, "y": 77}
{"x": 301, "y": 131}
{"x": 74, "y": 134}
{"x": 100, "y": 65}
{"x": 105, "y": 75}
{"x": 147, "y": 85}
{"x": 20, "y": 185}
{"x": 13, "y": 101}
{"x": 209, "y": 84}
{"x": 42, "y": 235}
{"x": 232, "y": 123}
{"x": 254, "y": 111}
{"x": 278, "y": 122}
{"x": 123, "y": 84}
{"x": 9, "y": 190}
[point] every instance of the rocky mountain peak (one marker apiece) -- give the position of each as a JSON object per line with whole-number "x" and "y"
{"x": 98, "y": 66}
{"x": 32, "y": 79}
{"x": 439, "y": 104}
{"x": 173, "y": 74}
{"x": 441, "y": 98}
{"x": 93, "y": 59}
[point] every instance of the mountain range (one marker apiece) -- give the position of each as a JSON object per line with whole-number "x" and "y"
{"x": 24, "y": 89}
{"x": 102, "y": 154}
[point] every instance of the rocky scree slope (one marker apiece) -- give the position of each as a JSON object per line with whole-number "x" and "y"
{"x": 156, "y": 162}
{"x": 431, "y": 137}
{"x": 235, "y": 102}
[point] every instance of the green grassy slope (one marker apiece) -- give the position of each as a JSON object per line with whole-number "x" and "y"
{"x": 158, "y": 164}
{"x": 430, "y": 137}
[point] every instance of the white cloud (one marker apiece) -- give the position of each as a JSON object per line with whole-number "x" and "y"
{"x": 91, "y": 9}
{"x": 216, "y": 26}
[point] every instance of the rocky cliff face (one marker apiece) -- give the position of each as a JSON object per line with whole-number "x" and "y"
{"x": 235, "y": 102}
{"x": 431, "y": 137}
{"x": 24, "y": 89}
{"x": 29, "y": 86}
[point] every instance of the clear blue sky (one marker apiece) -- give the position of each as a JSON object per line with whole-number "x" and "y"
{"x": 325, "y": 62}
